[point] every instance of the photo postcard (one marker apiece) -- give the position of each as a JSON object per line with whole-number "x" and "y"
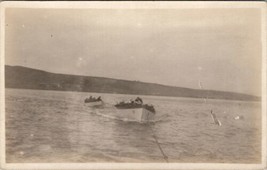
{"x": 133, "y": 85}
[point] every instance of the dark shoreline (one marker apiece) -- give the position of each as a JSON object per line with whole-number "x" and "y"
{"x": 26, "y": 78}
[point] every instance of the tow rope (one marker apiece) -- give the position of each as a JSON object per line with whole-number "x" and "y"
{"x": 158, "y": 144}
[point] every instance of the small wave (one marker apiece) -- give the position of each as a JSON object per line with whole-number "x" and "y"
{"x": 162, "y": 118}
{"x": 110, "y": 116}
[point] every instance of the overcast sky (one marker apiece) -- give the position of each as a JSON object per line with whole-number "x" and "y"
{"x": 220, "y": 47}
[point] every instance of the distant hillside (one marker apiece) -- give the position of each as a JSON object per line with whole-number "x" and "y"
{"x": 27, "y": 78}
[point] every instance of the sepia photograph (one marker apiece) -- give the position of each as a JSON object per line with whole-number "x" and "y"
{"x": 133, "y": 85}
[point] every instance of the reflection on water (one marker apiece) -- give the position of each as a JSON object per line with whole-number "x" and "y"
{"x": 51, "y": 126}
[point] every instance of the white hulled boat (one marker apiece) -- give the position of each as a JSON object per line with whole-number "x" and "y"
{"x": 135, "y": 111}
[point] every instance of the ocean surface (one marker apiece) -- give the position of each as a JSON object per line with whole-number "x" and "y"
{"x": 55, "y": 127}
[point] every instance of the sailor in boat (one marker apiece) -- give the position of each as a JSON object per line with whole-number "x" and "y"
{"x": 92, "y": 99}
{"x": 137, "y": 103}
{"x": 138, "y": 100}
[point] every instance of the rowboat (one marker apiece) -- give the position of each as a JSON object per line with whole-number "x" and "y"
{"x": 135, "y": 111}
{"x": 92, "y": 101}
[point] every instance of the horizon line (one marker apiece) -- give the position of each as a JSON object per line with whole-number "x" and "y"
{"x": 133, "y": 81}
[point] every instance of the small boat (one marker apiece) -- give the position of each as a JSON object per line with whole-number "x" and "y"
{"x": 135, "y": 111}
{"x": 93, "y": 101}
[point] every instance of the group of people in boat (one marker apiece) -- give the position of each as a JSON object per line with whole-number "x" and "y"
{"x": 136, "y": 103}
{"x": 92, "y": 99}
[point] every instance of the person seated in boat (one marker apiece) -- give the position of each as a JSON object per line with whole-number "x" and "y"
{"x": 99, "y": 98}
{"x": 138, "y": 100}
{"x": 131, "y": 101}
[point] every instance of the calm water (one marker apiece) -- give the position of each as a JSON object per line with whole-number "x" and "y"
{"x": 52, "y": 126}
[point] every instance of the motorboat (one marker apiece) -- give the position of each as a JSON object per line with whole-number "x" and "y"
{"x": 135, "y": 110}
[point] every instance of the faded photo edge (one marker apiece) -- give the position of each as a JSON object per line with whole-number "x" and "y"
{"x": 66, "y": 165}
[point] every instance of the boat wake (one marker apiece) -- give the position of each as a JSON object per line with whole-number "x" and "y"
{"x": 110, "y": 115}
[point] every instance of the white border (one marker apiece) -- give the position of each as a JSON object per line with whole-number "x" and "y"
{"x": 132, "y": 5}
{"x": 2, "y": 86}
{"x": 264, "y": 82}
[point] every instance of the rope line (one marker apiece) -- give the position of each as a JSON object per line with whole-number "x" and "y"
{"x": 156, "y": 140}
{"x": 158, "y": 144}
